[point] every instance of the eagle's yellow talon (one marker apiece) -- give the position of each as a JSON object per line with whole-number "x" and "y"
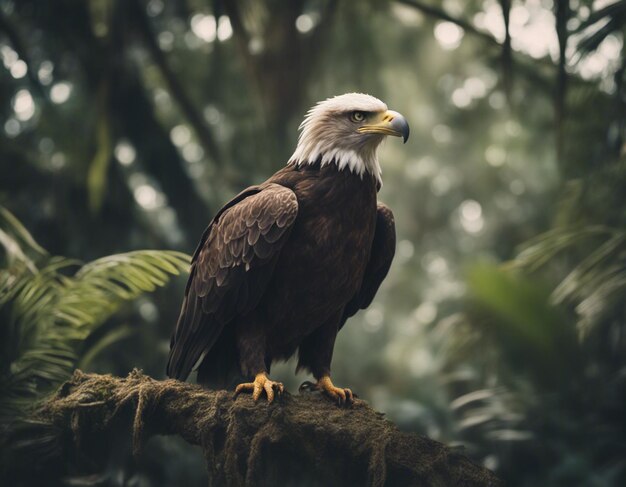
{"x": 261, "y": 383}
{"x": 342, "y": 396}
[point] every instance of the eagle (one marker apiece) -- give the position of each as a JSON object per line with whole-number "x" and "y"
{"x": 284, "y": 264}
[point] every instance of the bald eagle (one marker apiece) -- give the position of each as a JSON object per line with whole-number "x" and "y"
{"x": 284, "y": 264}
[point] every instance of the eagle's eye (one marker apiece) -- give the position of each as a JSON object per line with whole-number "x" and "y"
{"x": 357, "y": 116}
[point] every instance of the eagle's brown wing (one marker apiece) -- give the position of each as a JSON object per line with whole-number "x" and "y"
{"x": 383, "y": 250}
{"x": 231, "y": 269}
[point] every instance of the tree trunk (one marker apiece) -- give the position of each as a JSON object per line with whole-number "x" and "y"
{"x": 297, "y": 440}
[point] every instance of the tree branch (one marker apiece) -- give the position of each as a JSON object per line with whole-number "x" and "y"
{"x": 440, "y": 14}
{"x": 562, "y": 15}
{"x": 295, "y": 440}
{"x": 530, "y": 71}
{"x": 507, "y": 54}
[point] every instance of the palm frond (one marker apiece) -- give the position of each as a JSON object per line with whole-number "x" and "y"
{"x": 18, "y": 244}
{"x": 542, "y": 249}
{"x": 516, "y": 312}
{"x": 602, "y": 301}
{"x": 50, "y": 308}
{"x": 595, "y": 285}
{"x": 591, "y": 272}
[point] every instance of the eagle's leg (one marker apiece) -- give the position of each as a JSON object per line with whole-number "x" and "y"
{"x": 251, "y": 347}
{"x": 316, "y": 353}
{"x": 261, "y": 383}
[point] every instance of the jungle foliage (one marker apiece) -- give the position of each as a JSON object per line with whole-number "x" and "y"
{"x": 501, "y": 326}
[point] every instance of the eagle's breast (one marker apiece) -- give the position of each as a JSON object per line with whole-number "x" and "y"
{"x": 322, "y": 265}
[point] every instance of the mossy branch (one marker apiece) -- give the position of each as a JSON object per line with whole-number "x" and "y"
{"x": 297, "y": 440}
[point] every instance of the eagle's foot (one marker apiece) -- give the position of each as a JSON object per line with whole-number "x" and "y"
{"x": 341, "y": 395}
{"x": 261, "y": 383}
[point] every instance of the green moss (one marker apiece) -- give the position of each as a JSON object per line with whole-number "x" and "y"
{"x": 300, "y": 440}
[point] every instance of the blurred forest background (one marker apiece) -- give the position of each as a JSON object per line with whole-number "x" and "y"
{"x": 125, "y": 124}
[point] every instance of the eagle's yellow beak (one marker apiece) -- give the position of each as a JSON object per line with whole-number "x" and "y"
{"x": 388, "y": 123}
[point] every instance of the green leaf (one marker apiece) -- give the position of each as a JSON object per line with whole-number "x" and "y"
{"x": 55, "y": 305}
{"x": 97, "y": 174}
{"x": 533, "y": 335}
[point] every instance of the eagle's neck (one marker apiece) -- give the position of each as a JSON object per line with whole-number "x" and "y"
{"x": 358, "y": 160}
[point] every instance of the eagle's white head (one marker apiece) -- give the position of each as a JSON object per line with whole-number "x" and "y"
{"x": 346, "y": 130}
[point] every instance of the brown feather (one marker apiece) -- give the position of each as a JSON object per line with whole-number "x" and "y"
{"x": 232, "y": 247}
